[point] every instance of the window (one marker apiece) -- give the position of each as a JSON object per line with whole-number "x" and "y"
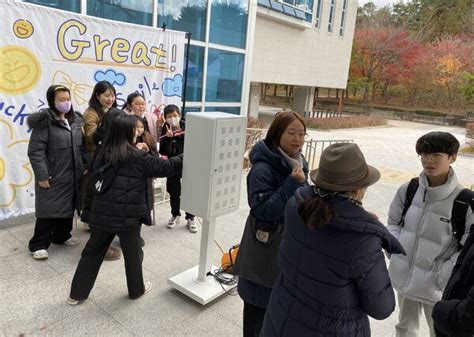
{"x": 72, "y": 6}
{"x": 231, "y": 110}
{"x": 301, "y": 9}
{"x": 343, "y": 18}
{"x": 186, "y": 16}
{"x": 319, "y": 9}
{"x": 332, "y": 9}
{"x": 195, "y": 71}
{"x": 225, "y": 71}
{"x": 229, "y": 22}
{"x": 138, "y": 12}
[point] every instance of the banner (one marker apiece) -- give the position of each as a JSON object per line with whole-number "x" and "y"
{"x": 42, "y": 46}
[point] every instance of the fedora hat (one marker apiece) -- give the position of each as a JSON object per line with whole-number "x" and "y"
{"x": 343, "y": 168}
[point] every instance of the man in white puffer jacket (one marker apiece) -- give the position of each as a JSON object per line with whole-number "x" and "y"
{"x": 426, "y": 233}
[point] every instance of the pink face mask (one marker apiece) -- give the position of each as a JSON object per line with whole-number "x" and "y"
{"x": 63, "y": 107}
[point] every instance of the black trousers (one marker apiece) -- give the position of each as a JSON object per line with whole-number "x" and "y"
{"x": 253, "y": 319}
{"x": 93, "y": 255}
{"x": 55, "y": 230}
{"x": 173, "y": 187}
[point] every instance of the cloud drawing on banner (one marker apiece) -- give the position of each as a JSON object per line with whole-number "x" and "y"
{"x": 80, "y": 93}
{"x": 15, "y": 171}
{"x": 110, "y": 76}
{"x": 173, "y": 86}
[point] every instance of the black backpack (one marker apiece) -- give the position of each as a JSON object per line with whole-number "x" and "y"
{"x": 464, "y": 199}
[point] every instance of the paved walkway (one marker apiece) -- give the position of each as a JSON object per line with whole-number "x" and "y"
{"x": 34, "y": 293}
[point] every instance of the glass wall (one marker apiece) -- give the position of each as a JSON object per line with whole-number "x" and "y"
{"x": 228, "y": 19}
{"x": 132, "y": 11}
{"x": 195, "y": 72}
{"x": 231, "y": 110}
{"x": 186, "y": 16}
{"x": 229, "y": 23}
{"x": 225, "y": 71}
{"x": 67, "y": 5}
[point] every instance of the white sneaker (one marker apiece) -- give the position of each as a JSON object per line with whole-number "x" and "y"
{"x": 72, "y": 241}
{"x": 173, "y": 221}
{"x": 72, "y": 301}
{"x": 193, "y": 228}
{"x": 148, "y": 287}
{"x": 41, "y": 254}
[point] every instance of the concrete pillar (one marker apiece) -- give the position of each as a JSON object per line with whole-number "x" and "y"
{"x": 303, "y": 99}
{"x": 254, "y": 99}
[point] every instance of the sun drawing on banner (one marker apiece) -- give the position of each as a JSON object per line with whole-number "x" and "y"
{"x": 20, "y": 70}
{"x": 15, "y": 171}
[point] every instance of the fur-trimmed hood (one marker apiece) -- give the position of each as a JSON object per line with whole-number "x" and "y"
{"x": 42, "y": 118}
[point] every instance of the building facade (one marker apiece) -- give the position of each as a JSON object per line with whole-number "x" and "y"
{"x": 238, "y": 44}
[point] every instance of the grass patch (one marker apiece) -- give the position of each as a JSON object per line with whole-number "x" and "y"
{"x": 467, "y": 150}
{"x": 344, "y": 122}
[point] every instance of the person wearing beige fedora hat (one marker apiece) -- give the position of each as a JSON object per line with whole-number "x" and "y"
{"x": 425, "y": 225}
{"x": 278, "y": 169}
{"x": 333, "y": 271}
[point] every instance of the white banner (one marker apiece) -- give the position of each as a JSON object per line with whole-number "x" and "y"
{"x": 40, "y": 46}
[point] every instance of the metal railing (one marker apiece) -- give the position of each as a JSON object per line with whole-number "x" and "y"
{"x": 313, "y": 148}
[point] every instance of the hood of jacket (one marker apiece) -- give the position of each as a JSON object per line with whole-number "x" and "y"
{"x": 354, "y": 218}
{"x": 42, "y": 118}
{"x": 261, "y": 153}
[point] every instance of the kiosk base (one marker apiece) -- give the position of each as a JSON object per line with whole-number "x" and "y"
{"x": 202, "y": 292}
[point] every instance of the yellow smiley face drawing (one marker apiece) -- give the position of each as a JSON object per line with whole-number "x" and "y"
{"x": 20, "y": 70}
{"x": 22, "y": 29}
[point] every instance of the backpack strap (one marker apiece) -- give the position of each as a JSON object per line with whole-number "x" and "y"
{"x": 458, "y": 216}
{"x": 411, "y": 190}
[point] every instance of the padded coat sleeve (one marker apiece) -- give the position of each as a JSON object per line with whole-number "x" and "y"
{"x": 369, "y": 270}
{"x": 266, "y": 197}
{"x": 395, "y": 211}
{"x": 37, "y": 153}
{"x": 156, "y": 167}
{"x": 455, "y": 317}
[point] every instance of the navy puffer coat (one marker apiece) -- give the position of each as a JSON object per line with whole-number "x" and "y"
{"x": 269, "y": 187}
{"x": 332, "y": 277}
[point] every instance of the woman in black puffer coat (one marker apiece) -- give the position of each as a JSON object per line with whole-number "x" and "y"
{"x": 333, "y": 272}
{"x": 119, "y": 206}
{"x": 59, "y": 159}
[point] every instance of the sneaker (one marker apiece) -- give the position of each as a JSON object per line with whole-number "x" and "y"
{"x": 148, "y": 287}
{"x": 173, "y": 221}
{"x": 72, "y": 241}
{"x": 193, "y": 228}
{"x": 72, "y": 301}
{"x": 41, "y": 254}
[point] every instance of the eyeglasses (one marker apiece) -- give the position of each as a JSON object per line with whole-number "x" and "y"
{"x": 434, "y": 157}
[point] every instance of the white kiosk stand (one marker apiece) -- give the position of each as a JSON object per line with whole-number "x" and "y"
{"x": 212, "y": 172}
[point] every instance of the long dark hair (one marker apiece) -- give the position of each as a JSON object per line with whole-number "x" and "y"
{"x": 99, "y": 89}
{"x": 119, "y": 146}
{"x": 316, "y": 212}
{"x": 146, "y": 137}
{"x": 278, "y": 126}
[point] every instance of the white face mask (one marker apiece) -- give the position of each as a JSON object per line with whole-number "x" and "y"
{"x": 174, "y": 121}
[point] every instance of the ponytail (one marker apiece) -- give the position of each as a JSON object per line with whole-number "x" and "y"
{"x": 315, "y": 212}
